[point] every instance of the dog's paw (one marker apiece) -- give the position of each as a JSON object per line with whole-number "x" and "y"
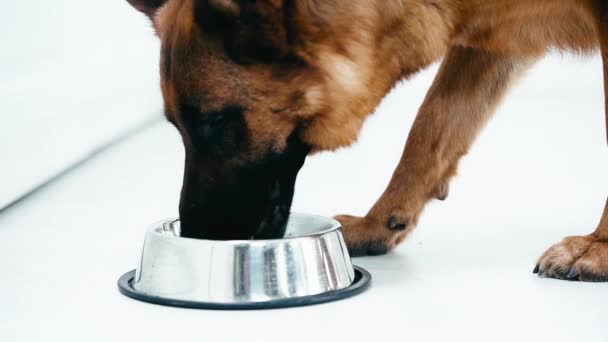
{"x": 369, "y": 236}
{"x": 575, "y": 258}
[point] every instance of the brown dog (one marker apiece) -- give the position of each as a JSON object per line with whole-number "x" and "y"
{"x": 254, "y": 86}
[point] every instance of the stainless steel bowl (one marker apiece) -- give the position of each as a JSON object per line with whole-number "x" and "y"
{"x": 309, "y": 265}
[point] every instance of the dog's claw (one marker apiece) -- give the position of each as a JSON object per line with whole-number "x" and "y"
{"x": 572, "y": 274}
{"x": 536, "y": 269}
{"x": 442, "y": 191}
{"x": 395, "y": 224}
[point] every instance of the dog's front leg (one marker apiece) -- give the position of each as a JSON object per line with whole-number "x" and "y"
{"x": 467, "y": 88}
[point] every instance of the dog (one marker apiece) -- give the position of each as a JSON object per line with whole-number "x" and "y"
{"x": 255, "y": 86}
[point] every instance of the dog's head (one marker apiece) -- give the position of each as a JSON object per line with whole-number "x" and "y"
{"x": 252, "y": 87}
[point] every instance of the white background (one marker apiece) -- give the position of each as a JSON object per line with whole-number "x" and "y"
{"x": 537, "y": 173}
{"x": 74, "y": 75}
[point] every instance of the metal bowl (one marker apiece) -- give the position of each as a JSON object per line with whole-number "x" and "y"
{"x": 309, "y": 265}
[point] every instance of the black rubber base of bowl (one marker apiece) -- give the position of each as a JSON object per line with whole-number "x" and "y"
{"x": 361, "y": 283}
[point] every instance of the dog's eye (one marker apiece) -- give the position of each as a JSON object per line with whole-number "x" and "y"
{"x": 216, "y": 132}
{"x": 212, "y": 119}
{"x": 216, "y": 120}
{"x": 204, "y": 123}
{"x": 206, "y": 126}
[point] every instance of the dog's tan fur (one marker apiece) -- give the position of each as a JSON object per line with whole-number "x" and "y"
{"x": 354, "y": 52}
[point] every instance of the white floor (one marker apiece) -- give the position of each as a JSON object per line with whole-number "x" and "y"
{"x": 537, "y": 173}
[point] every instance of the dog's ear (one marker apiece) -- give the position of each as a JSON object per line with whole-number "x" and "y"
{"x": 252, "y": 30}
{"x": 148, "y": 7}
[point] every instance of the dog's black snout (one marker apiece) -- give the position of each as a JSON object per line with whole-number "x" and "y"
{"x": 235, "y": 210}
{"x": 247, "y": 201}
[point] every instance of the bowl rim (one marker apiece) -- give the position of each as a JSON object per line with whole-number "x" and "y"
{"x": 361, "y": 283}
{"x": 335, "y": 226}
